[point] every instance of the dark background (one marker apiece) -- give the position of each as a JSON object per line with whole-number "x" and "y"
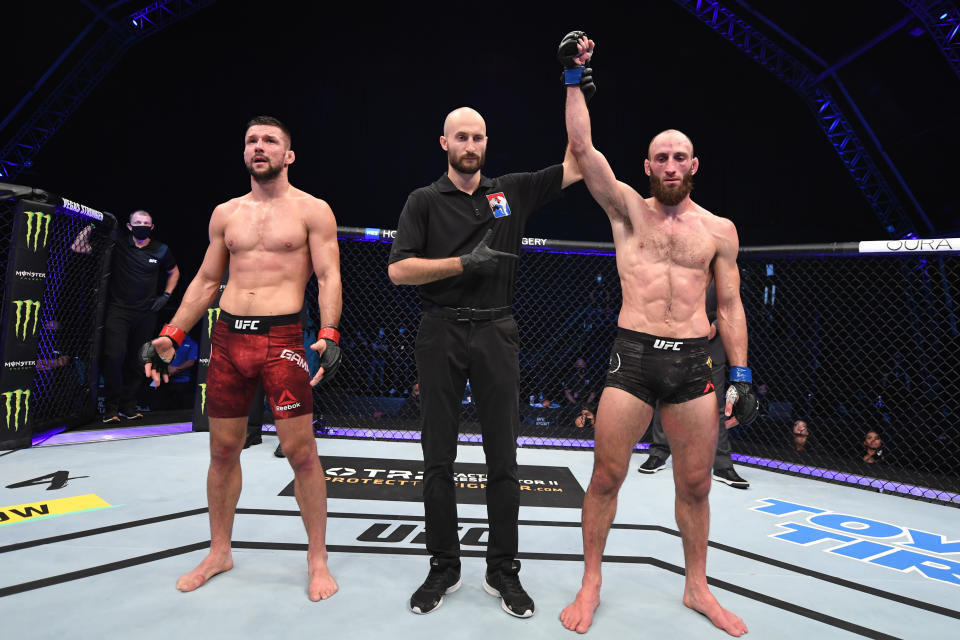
{"x": 365, "y": 90}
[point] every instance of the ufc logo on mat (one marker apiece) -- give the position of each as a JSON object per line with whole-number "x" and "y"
{"x": 667, "y": 344}
{"x": 252, "y": 325}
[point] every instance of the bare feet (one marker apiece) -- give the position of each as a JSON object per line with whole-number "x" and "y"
{"x": 578, "y": 616}
{"x": 322, "y": 584}
{"x": 211, "y": 566}
{"x": 704, "y": 602}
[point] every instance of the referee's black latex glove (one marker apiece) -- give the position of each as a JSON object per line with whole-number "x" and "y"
{"x": 160, "y": 301}
{"x": 483, "y": 260}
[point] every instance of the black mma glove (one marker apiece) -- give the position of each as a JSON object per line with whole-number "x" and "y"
{"x": 483, "y": 260}
{"x": 568, "y": 49}
{"x": 332, "y": 355}
{"x": 149, "y": 355}
{"x": 575, "y": 74}
{"x": 160, "y": 301}
{"x": 740, "y": 393}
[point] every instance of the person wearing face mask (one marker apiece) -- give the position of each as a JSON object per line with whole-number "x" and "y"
{"x": 138, "y": 264}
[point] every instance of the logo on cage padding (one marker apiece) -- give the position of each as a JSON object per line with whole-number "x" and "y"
{"x": 213, "y": 314}
{"x": 37, "y": 222}
{"x": 27, "y": 313}
{"x": 14, "y": 401}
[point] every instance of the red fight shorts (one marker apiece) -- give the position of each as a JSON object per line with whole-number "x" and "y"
{"x": 245, "y": 349}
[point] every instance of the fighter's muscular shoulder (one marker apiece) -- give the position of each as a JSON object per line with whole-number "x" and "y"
{"x": 723, "y": 231}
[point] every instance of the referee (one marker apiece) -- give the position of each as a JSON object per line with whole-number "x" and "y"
{"x": 458, "y": 239}
{"x": 137, "y": 266}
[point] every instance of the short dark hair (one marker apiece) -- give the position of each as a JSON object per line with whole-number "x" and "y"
{"x": 272, "y": 122}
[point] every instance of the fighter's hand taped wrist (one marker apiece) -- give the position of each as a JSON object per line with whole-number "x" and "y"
{"x": 329, "y": 332}
{"x": 149, "y": 355}
{"x": 176, "y": 334}
{"x": 740, "y": 394}
{"x": 571, "y": 77}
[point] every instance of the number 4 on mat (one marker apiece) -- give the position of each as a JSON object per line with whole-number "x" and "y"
{"x": 56, "y": 480}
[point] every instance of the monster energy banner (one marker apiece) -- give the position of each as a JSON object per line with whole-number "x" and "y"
{"x": 22, "y": 308}
{"x": 200, "y": 420}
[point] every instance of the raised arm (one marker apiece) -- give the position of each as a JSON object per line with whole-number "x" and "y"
{"x": 594, "y": 168}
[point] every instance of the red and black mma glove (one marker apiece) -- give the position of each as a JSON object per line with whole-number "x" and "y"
{"x": 740, "y": 393}
{"x": 149, "y": 355}
{"x": 330, "y": 360}
{"x": 573, "y": 73}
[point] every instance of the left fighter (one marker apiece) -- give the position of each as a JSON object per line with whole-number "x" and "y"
{"x": 271, "y": 239}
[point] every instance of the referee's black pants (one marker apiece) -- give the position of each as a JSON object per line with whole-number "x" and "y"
{"x": 124, "y": 332}
{"x": 447, "y": 353}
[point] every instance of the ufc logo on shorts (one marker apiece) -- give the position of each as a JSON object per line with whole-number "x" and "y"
{"x": 667, "y": 344}
{"x": 241, "y": 325}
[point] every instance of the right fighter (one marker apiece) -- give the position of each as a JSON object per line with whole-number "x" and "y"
{"x": 272, "y": 238}
{"x": 668, "y": 250}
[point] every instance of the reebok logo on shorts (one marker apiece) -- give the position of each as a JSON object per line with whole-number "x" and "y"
{"x": 287, "y": 402}
{"x": 295, "y": 358}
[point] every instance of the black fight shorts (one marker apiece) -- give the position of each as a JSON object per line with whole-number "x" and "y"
{"x": 673, "y": 370}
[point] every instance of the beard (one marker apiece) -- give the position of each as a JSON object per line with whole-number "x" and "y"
{"x": 459, "y": 165}
{"x": 264, "y": 175}
{"x": 671, "y": 196}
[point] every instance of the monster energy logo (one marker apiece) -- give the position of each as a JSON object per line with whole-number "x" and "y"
{"x": 203, "y": 396}
{"x": 26, "y": 308}
{"x": 13, "y": 400}
{"x": 36, "y": 220}
{"x": 213, "y": 314}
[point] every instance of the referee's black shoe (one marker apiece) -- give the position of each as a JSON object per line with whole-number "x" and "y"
{"x": 505, "y": 584}
{"x": 653, "y": 464}
{"x": 439, "y": 582}
{"x": 730, "y": 477}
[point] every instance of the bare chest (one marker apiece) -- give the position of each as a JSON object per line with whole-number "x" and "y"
{"x": 676, "y": 244}
{"x": 265, "y": 228}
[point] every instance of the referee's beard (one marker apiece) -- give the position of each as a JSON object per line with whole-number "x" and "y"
{"x": 474, "y": 162}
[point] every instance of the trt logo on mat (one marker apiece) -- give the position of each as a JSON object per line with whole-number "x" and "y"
{"x": 37, "y": 221}
{"x": 27, "y": 313}
{"x": 402, "y": 480}
{"x": 498, "y": 203}
{"x": 877, "y": 543}
{"x": 13, "y": 401}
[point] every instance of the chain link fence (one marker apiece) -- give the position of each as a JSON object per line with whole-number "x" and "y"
{"x": 845, "y": 342}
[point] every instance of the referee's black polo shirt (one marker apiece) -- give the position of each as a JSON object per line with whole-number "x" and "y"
{"x": 135, "y": 272}
{"x": 440, "y": 221}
